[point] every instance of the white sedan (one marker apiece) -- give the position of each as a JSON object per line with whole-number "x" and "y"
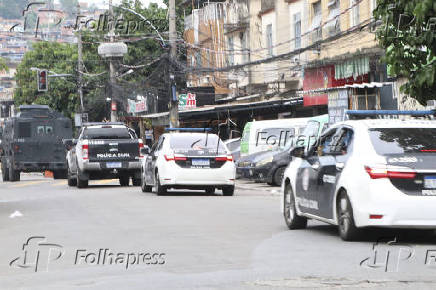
{"x": 365, "y": 173}
{"x": 188, "y": 161}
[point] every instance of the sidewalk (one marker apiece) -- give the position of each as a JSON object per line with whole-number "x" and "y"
{"x": 258, "y": 187}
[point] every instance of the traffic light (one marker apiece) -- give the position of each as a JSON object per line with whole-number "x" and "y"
{"x": 42, "y": 81}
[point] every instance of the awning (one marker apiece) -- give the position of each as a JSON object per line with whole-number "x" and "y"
{"x": 358, "y": 86}
{"x": 235, "y": 107}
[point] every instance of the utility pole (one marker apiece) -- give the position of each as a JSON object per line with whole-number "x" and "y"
{"x": 174, "y": 103}
{"x": 114, "y": 115}
{"x": 80, "y": 63}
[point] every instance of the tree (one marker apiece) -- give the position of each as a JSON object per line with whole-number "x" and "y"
{"x": 3, "y": 65}
{"x": 143, "y": 47}
{"x": 408, "y": 35}
{"x": 56, "y": 57}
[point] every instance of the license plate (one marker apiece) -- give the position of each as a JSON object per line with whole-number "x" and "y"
{"x": 429, "y": 192}
{"x": 430, "y": 182}
{"x": 200, "y": 162}
{"x": 113, "y": 164}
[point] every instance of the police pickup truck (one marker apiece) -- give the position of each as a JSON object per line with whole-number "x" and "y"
{"x": 104, "y": 151}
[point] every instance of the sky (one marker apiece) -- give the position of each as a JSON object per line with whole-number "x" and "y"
{"x": 145, "y": 2}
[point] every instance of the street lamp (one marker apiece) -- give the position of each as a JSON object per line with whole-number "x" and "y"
{"x": 112, "y": 50}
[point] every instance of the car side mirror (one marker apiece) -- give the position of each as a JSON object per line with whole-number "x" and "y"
{"x": 145, "y": 150}
{"x": 297, "y": 152}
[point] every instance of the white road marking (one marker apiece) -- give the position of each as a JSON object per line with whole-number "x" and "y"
{"x": 16, "y": 214}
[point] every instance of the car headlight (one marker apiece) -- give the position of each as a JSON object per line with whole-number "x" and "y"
{"x": 264, "y": 161}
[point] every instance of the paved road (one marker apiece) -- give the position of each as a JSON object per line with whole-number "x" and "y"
{"x": 197, "y": 240}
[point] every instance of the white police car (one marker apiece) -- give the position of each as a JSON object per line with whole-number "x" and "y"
{"x": 188, "y": 160}
{"x": 362, "y": 173}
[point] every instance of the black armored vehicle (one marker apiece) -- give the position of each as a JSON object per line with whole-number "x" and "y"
{"x": 32, "y": 142}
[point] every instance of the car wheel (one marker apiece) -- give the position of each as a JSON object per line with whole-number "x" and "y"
{"x": 81, "y": 183}
{"x": 278, "y": 175}
{"x": 71, "y": 180}
{"x": 347, "y": 228}
{"x": 14, "y": 175}
{"x": 124, "y": 180}
{"x": 210, "y": 190}
{"x": 5, "y": 171}
{"x": 160, "y": 190}
{"x": 292, "y": 219}
{"x": 144, "y": 186}
{"x": 228, "y": 190}
{"x": 136, "y": 181}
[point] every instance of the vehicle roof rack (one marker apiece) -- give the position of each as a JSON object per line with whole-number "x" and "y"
{"x": 102, "y": 123}
{"x": 386, "y": 114}
{"x": 188, "y": 129}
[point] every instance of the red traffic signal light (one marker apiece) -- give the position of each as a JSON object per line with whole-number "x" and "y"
{"x": 42, "y": 81}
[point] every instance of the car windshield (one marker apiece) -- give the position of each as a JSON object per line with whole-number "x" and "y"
{"x": 106, "y": 133}
{"x": 403, "y": 140}
{"x": 311, "y": 129}
{"x": 234, "y": 145}
{"x": 274, "y": 137}
{"x": 196, "y": 142}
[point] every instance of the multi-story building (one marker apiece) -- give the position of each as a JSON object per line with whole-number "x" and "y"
{"x": 344, "y": 69}
{"x": 206, "y": 47}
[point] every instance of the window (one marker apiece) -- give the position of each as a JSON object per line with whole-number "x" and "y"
{"x": 333, "y": 25}
{"x": 343, "y": 141}
{"x": 297, "y": 30}
{"x": 355, "y": 12}
{"x": 40, "y": 130}
{"x": 44, "y": 130}
{"x": 316, "y": 21}
{"x": 387, "y": 141}
{"x": 326, "y": 144}
{"x": 182, "y": 143}
{"x": 244, "y": 47}
{"x": 24, "y": 130}
{"x": 231, "y": 47}
{"x": 198, "y": 59}
{"x": 106, "y": 133}
{"x": 269, "y": 40}
{"x": 159, "y": 147}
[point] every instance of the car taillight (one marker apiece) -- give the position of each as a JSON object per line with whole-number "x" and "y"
{"x": 224, "y": 158}
{"x": 376, "y": 172}
{"x": 171, "y": 157}
{"x": 141, "y": 145}
{"x": 180, "y": 158}
{"x": 85, "y": 151}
